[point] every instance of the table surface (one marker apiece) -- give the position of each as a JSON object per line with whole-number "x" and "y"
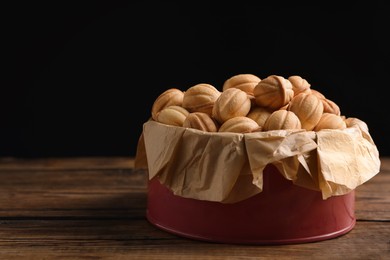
{"x": 94, "y": 208}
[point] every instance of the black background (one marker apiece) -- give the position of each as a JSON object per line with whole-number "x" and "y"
{"x": 82, "y": 77}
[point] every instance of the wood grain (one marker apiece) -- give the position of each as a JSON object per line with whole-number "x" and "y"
{"x": 68, "y": 163}
{"x": 94, "y": 208}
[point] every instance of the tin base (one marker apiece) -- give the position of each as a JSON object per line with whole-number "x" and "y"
{"x": 283, "y": 213}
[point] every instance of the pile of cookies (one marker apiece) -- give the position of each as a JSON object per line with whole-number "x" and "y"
{"x": 247, "y": 104}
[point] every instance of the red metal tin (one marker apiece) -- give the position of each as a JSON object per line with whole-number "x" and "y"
{"x": 283, "y": 213}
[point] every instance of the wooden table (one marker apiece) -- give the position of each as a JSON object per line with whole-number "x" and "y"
{"x": 94, "y": 208}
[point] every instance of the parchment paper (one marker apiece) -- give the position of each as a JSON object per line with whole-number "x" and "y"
{"x": 228, "y": 167}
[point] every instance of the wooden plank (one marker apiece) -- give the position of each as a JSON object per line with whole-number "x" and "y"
{"x": 118, "y": 239}
{"x": 385, "y": 164}
{"x": 373, "y": 198}
{"x": 66, "y": 163}
{"x": 84, "y": 193}
{"x": 80, "y": 181}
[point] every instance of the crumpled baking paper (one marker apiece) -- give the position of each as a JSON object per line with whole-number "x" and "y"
{"x": 228, "y": 167}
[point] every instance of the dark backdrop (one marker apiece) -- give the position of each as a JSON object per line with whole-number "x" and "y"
{"x": 82, "y": 77}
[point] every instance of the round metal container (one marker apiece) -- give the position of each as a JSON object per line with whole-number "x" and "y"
{"x": 283, "y": 213}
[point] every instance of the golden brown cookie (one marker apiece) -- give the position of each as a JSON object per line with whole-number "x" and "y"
{"x": 201, "y": 121}
{"x": 299, "y": 84}
{"x": 239, "y": 124}
{"x": 330, "y": 121}
{"x": 308, "y": 108}
{"x": 273, "y": 92}
{"x": 231, "y": 103}
{"x": 282, "y": 119}
{"x": 200, "y": 98}
{"x": 245, "y": 82}
{"x": 172, "y": 115}
{"x": 170, "y": 97}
